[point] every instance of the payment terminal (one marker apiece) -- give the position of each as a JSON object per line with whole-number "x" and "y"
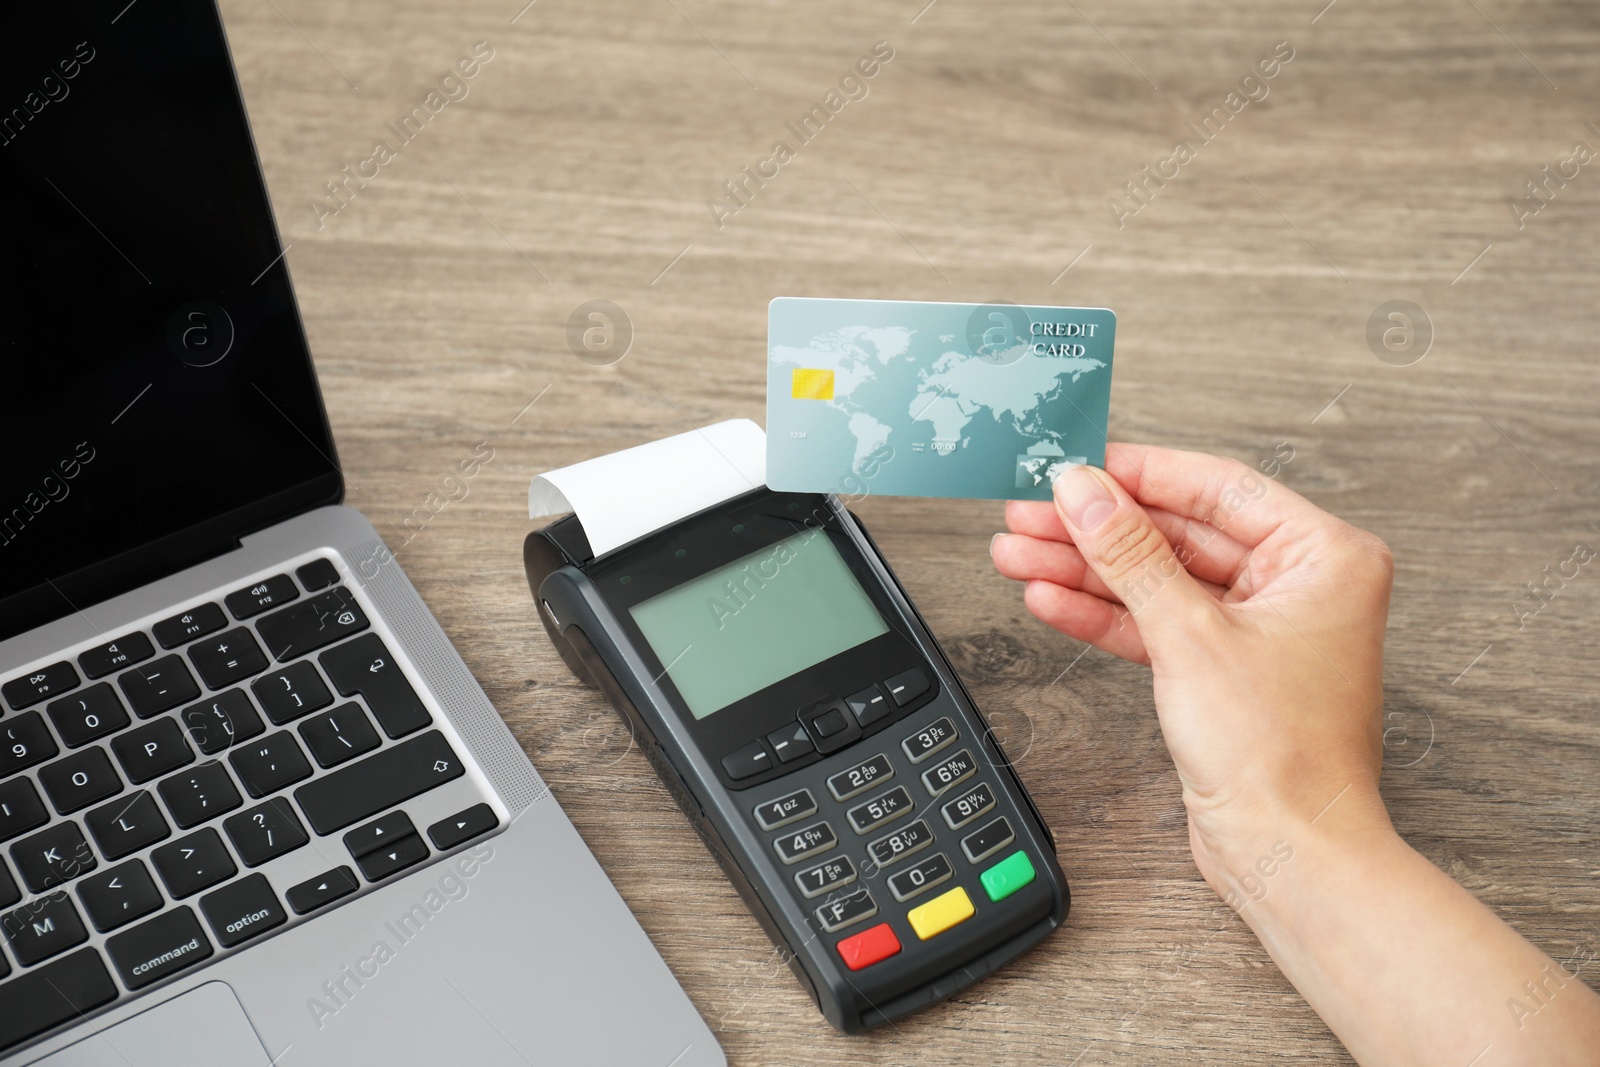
{"x": 770, "y": 665}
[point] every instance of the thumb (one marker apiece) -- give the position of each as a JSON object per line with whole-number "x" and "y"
{"x": 1122, "y": 545}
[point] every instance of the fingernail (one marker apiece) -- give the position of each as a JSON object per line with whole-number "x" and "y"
{"x": 992, "y": 540}
{"x": 1083, "y": 497}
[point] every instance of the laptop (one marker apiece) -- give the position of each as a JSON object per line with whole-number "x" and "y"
{"x": 253, "y": 808}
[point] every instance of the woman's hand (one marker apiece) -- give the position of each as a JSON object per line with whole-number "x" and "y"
{"x": 1260, "y": 615}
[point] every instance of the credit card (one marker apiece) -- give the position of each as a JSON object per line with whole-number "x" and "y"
{"x": 916, "y": 398}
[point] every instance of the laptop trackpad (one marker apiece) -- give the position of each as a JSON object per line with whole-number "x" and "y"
{"x": 202, "y": 1028}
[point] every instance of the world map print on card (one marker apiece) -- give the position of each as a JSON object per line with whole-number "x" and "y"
{"x": 914, "y": 398}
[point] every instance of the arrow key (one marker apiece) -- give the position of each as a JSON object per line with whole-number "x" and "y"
{"x": 314, "y": 893}
{"x": 448, "y": 833}
{"x": 379, "y": 833}
{"x": 395, "y": 856}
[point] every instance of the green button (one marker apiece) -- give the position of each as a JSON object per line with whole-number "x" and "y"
{"x": 1008, "y": 876}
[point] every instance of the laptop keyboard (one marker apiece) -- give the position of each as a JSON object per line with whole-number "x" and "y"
{"x": 144, "y": 785}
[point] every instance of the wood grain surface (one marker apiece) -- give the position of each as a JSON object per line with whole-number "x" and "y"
{"x": 1381, "y": 165}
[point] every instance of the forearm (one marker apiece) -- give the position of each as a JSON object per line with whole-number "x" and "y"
{"x": 1406, "y": 966}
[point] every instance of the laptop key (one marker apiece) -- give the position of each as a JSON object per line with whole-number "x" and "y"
{"x": 158, "y": 947}
{"x": 189, "y": 625}
{"x": 88, "y": 715}
{"x": 320, "y": 621}
{"x": 318, "y": 574}
{"x": 153, "y": 750}
{"x": 378, "y": 833}
{"x": 48, "y": 996}
{"x": 267, "y": 593}
{"x": 462, "y": 826}
{"x": 394, "y": 857}
{"x": 379, "y": 782}
{"x": 43, "y": 927}
{"x": 365, "y": 666}
{"x": 81, "y": 779}
{"x": 314, "y": 893}
{"x": 112, "y": 656}
{"x": 24, "y": 741}
{"x": 29, "y": 689}
{"x": 21, "y": 809}
{"x": 265, "y": 831}
{"x": 193, "y": 863}
{"x": 340, "y": 735}
{"x": 221, "y": 721}
{"x": 127, "y": 824}
{"x": 198, "y": 794}
{"x": 9, "y": 894}
{"x": 291, "y": 693}
{"x": 243, "y": 910}
{"x": 157, "y": 685}
{"x": 267, "y": 765}
{"x": 227, "y": 657}
{"x": 118, "y": 896}
{"x": 52, "y": 856}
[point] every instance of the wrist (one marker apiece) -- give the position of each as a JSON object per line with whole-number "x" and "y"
{"x": 1245, "y": 856}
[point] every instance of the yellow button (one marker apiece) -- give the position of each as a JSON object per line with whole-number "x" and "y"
{"x": 941, "y": 913}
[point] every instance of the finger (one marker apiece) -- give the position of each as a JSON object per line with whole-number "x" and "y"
{"x": 1122, "y": 545}
{"x": 1208, "y": 553}
{"x": 1087, "y": 618}
{"x": 1225, "y": 493}
{"x": 1026, "y": 558}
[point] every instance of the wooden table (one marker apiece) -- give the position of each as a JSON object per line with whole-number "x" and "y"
{"x": 980, "y": 165}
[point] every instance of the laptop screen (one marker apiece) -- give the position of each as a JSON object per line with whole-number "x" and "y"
{"x": 156, "y": 393}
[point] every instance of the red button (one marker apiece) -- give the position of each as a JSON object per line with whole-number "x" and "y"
{"x": 869, "y": 946}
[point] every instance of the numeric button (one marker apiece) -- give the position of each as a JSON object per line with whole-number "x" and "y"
{"x": 827, "y": 875}
{"x": 88, "y": 715}
{"x": 921, "y": 876}
{"x": 796, "y": 845}
{"x": 957, "y": 768}
{"x": 968, "y": 806}
{"x": 24, "y": 741}
{"x": 902, "y": 843}
{"x": 925, "y": 742}
{"x": 771, "y": 814}
{"x": 295, "y": 691}
{"x": 880, "y": 809}
{"x": 860, "y": 778}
